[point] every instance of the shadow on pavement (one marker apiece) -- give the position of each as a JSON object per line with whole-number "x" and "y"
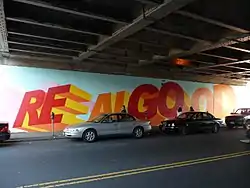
{"x": 8, "y": 144}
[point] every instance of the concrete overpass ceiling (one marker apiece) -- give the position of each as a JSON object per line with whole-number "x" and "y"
{"x": 196, "y": 40}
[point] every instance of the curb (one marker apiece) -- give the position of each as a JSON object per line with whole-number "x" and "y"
{"x": 35, "y": 139}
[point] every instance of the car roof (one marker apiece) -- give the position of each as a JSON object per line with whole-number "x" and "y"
{"x": 196, "y": 112}
{"x": 117, "y": 113}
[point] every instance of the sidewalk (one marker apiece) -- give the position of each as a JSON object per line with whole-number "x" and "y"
{"x": 36, "y": 136}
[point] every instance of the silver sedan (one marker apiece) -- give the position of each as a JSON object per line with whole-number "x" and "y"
{"x": 108, "y": 124}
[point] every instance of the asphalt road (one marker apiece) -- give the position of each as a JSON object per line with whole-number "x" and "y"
{"x": 30, "y": 163}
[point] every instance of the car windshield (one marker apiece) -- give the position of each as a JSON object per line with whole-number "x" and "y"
{"x": 98, "y": 118}
{"x": 243, "y": 111}
{"x": 186, "y": 115}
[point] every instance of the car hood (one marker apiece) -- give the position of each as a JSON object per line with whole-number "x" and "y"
{"x": 172, "y": 120}
{"x": 236, "y": 115}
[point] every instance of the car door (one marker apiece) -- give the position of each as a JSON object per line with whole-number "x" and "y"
{"x": 195, "y": 122}
{"x": 126, "y": 123}
{"x": 109, "y": 125}
{"x": 207, "y": 122}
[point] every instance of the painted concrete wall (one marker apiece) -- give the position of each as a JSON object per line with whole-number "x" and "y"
{"x": 29, "y": 95}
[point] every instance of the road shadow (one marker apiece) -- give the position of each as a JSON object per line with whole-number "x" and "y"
{"x": 7, "y": 144}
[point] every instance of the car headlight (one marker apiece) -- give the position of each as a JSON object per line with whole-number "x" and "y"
{"x": 173, "y": 125}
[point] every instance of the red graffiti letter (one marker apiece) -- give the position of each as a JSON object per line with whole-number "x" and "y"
{"x": 175, "y": 93}
{"x": 149, "y": 94}
{"x": 51, "y": 102}
{"x": 32, "y": 101}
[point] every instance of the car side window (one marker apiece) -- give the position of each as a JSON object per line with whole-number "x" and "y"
{"x": 198, "y": 116}
{"x": 126, "y": 117}
{"x": 210, "y": 115}
{"x": 111, "y": 118}
{"x": 207, "y": 116}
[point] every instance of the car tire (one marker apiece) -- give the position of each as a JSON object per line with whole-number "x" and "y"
{"x": 248, "y": 133}
{"x": 247, "y": 124}
{"x": 138, "y": 132}
{"x": 90, "y": 135}
{"x": 161, "y": 128}
{"x": 215, "y": 128}
{"x": 184, "y": 131}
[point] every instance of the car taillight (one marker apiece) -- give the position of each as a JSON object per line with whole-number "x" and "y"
{"x": 4, "y": 129}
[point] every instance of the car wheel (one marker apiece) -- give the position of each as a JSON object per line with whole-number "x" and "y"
{"x": 89, "y": 135}
{"x": 138, "y": 132}
{"x": 247, "y": 124}
{"x": 248, "y": 133}
{"x": 184, "y": 130}
{"x": 161, "y": 128}
{"x": 215, "y": 128}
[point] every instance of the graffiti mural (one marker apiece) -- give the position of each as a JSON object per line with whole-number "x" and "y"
{"x": 78, "y": 97}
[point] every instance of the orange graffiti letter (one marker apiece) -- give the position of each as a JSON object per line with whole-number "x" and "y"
{"x": 102, "y": 105}
{"x": 207, "y": 96}
{"x": 224, "y": 100}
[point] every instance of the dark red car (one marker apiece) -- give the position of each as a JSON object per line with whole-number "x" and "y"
{"x": 241, "y": 117}
{"x": 4, "y": 131}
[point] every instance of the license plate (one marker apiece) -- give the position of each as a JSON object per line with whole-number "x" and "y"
{"x": 231, "y": 122}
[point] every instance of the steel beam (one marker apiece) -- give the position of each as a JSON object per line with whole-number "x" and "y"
{"x": 40, "y": 53}
{"x": 199, "y": 40}
{"x": 238, "y": 49}
{"x": 164, "y": 32}
{"x": 211, "y": 21}
{"x": 3, "y": 31}
{"x": 47, "y": 59}
{"x": 118, "y": 56}
{"x": 145, "y": 43}
{"x": 228, "y": 42}
{"x": 42, "y": 46}
{"x": 53, "y": 26}
{"x": 88, "y": 15}
{"x": 148, "y": 2}
{"x": 108, "y": 60}
{"x": 234, "y": 73}
{"x": 48, "y": 38}
{"x": 138, "y": 24}
{"x": 218, "y": 70}
{"x": 240, "y": 68}
{"x": 218, "y": 56}
{"x": 223, "y": 65}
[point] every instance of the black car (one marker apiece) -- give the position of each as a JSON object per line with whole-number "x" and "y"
{"x": 241, "y": 117}
{"x": 191, "y": 122}
{"x": 4, "y": 132}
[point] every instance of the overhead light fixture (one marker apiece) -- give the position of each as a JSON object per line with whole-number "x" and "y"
{"x": 182, "y": 62}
